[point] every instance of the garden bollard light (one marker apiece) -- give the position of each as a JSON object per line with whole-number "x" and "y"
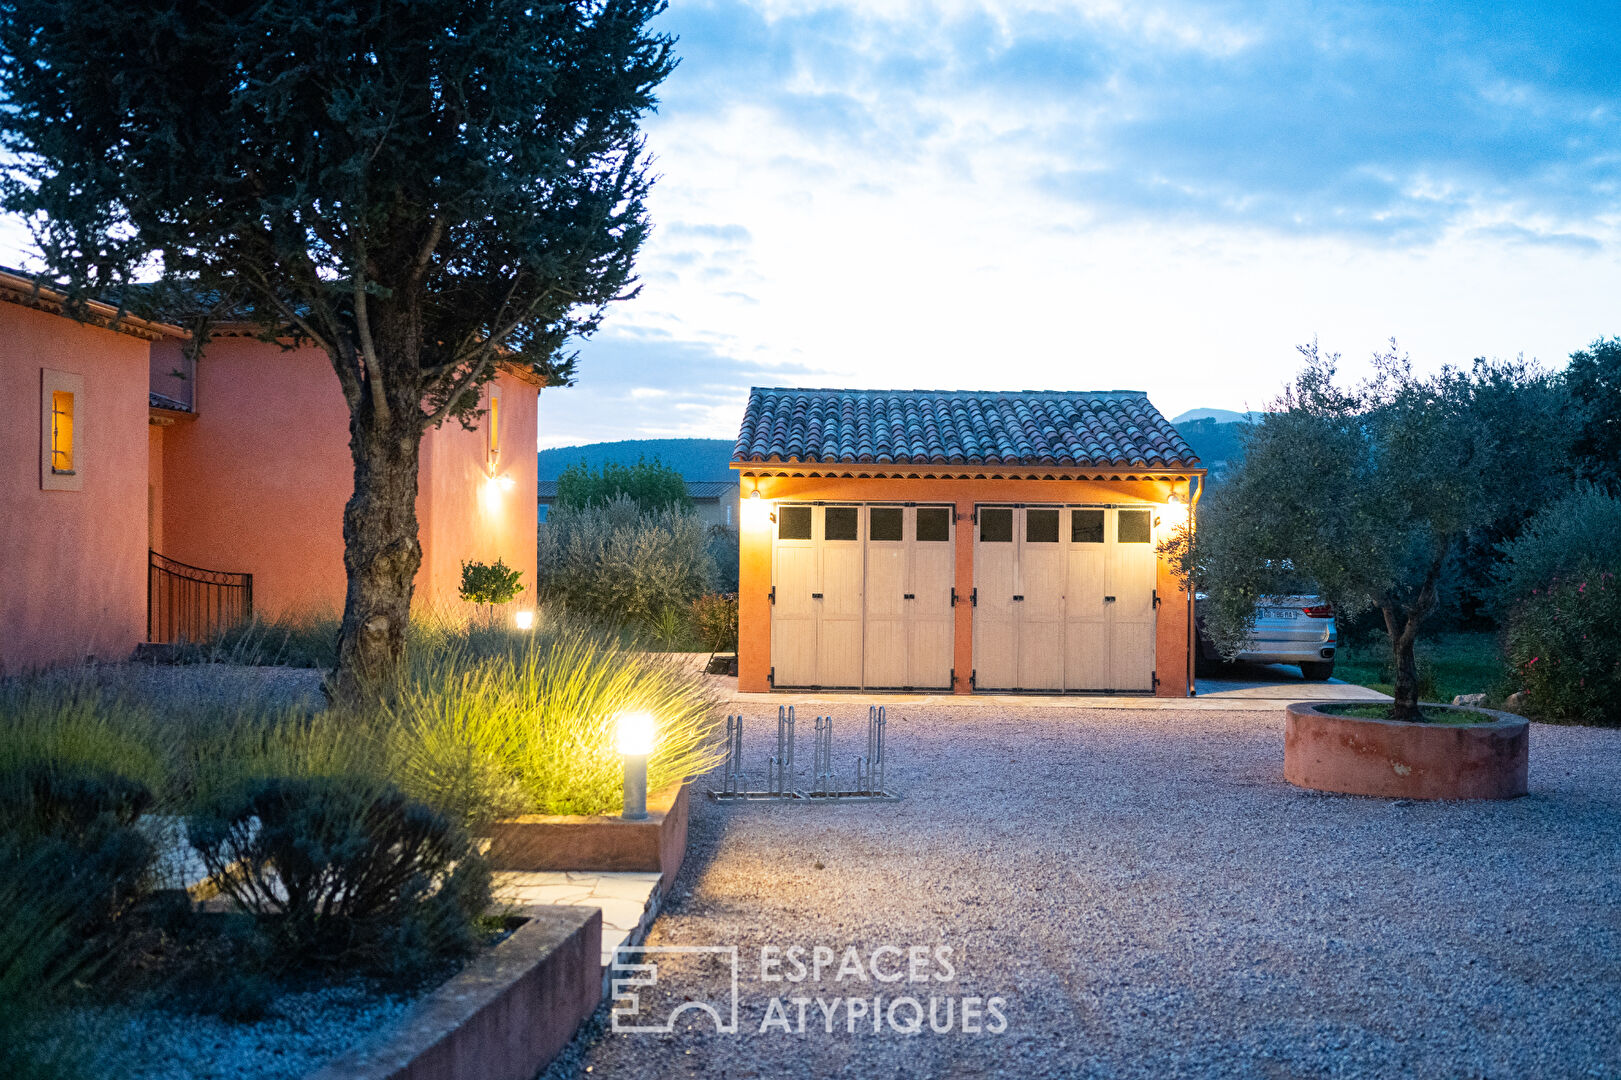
{"x": 636, "y": 744}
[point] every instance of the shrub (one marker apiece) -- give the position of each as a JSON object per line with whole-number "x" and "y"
{"x": 1564, "y": 644}
{"x": 619, "y": 564}
{"x": 723, "y": 551}
{"x": 483, "y": 583}
{"x": 345, "y": 869}
{"x": 77, "y": 771}
{"x": 533, "y": 731}
{"x": 1570, "y": 538}
{"x": 715, "y": 618}
{"x": 651, "y": 485}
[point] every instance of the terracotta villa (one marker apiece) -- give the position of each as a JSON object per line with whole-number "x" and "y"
{"x": 158, "y": 497}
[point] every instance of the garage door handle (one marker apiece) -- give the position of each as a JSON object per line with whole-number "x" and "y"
{"x": 1108, "y": 599}
{"x": 1018, "y": 598}
{"x": 908, "y": 596}
{"x": 818, "y": 596}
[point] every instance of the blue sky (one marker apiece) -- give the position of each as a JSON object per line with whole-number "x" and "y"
{"x": 1165, "y": 197}
{"x": 1107, "y": 195}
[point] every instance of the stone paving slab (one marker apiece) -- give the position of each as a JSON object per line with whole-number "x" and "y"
{"x": 629, "y": 901}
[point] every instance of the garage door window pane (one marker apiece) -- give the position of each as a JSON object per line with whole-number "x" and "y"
{"x": 841, "y": 523}
{"x": 1086, "y": 526}
{"x": 1041, "y": 526}
{"x": 996, "y": 525}
{"x": 934, "y": 524}
{"x": 1134, "y": 527}
{"x": 794, "y": 523}
{"x": 885, "y": 523}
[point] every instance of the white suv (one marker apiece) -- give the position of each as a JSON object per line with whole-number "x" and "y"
{"x": 1288, "y": 630}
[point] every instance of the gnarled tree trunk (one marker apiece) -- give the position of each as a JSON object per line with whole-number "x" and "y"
{"x": 381, "y": 549}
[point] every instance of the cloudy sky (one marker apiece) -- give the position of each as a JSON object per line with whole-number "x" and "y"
{"x": 1106, "y": 194}
{"x": 1100, "y": 195}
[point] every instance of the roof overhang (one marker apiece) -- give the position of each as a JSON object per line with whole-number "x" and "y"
{"x": 26, "y": 292}
{"x": 961, "y": 471}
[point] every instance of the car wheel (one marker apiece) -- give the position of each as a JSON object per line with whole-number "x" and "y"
{"x": 1317, "y": 672}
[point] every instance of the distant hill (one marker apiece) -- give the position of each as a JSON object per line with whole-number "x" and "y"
{"x": 694, "y": 459}
{"x": 1224, "y": 416}
{"x": 1214, "y": 441}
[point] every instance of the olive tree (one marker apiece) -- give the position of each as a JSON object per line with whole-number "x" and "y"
{"x": 1366, "y": 493}
{"x": 422, "y": 190}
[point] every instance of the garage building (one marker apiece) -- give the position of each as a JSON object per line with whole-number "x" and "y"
{"x": 962, "y": 541}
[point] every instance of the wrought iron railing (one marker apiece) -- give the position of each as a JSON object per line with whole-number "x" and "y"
{"x": 189, "y": 603}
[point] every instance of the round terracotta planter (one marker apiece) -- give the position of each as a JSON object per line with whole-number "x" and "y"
{"x": 1401, "y": 760}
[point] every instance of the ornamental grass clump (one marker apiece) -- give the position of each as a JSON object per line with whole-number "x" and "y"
{"x": 532, "y": 730}
{"x": 77, "y": 773}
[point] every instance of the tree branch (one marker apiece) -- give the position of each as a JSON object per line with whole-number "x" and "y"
{"x": 461, "y": 387}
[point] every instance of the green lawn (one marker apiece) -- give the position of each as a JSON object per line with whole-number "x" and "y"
{"x": 1448, "y": 664}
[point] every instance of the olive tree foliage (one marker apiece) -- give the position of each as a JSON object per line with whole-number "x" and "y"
{"x": 422, "y": 190}
{"x": 1365, "y": 493}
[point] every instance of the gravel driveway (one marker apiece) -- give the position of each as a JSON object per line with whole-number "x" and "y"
{"x": 1150, "y": 899}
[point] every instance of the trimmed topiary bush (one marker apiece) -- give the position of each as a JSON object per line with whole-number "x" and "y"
{"x": 345, "y": 870}
{"x": 1564, "y": 645}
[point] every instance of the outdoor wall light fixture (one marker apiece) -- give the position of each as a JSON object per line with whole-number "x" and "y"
{"x": 524, "y": 620}
{"x": 635, "y": 736}
{"x": 756, "y": 510}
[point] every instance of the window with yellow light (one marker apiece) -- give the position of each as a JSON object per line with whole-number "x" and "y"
{"x": 62, "y": 432}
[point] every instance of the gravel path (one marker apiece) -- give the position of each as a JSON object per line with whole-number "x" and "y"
{"x": 1151, "y": 900}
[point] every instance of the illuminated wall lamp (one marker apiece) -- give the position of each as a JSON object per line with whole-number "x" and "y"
{"x": 524, "y": 620}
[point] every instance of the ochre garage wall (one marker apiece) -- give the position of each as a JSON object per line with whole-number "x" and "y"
{"x": 73, "y": 568}
{"x": 1174, "y": 625}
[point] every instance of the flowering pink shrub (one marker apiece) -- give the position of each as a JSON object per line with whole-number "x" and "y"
{"x": 1564, "y": 644}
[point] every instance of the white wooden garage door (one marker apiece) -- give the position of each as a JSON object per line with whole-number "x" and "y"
{"x": 1064, "y": 598}
{"x": 861, "y": 596}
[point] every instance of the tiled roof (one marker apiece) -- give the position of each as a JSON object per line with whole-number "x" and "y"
{"x": 939, "y": 427}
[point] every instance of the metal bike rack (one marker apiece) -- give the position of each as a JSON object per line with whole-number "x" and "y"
{"x": 869, "y": 778}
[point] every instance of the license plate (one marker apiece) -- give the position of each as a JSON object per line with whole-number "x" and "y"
{"x": 1279, "y": 613}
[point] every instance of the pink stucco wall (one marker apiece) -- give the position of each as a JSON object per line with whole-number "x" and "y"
{"x": 464, "y": 513}
{"x": 258, "y": 481}
{"x": 72, "y": 563}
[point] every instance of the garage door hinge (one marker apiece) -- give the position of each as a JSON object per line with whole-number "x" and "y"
{"x": 773, "y": 595}
{"x": 954, "y": 678}
{"x": 1156, "y": 598}
{"x": 973, "y": 679}
{"x": 771, "y": 677}
{"x": 953, "y": 596}
{"x": 973, "y": 598}
{"x": 1154, "y": 677}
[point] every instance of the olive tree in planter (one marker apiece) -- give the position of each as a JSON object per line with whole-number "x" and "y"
{"x": 422, "y": 191}
{"x": 1370, "y": 491}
